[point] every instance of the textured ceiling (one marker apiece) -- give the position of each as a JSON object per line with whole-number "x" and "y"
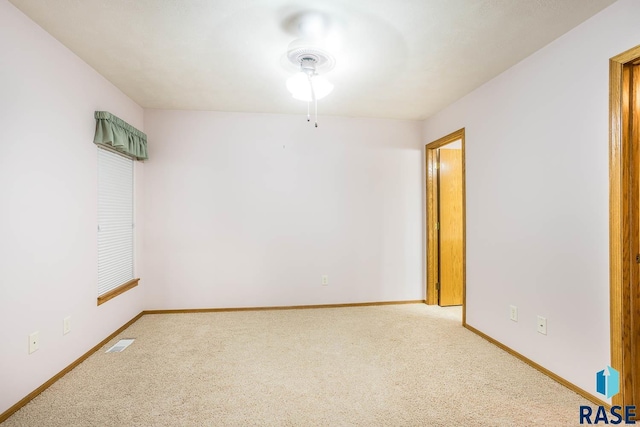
{"x": 394, "y": 58}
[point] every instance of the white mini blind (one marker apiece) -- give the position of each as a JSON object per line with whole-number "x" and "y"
{"x": 115, "y": 220}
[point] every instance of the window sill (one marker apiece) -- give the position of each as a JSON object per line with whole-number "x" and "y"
{"x": 117, "y": 291}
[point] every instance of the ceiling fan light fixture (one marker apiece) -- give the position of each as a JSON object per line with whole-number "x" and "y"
{"x": 306, "y": 85}
{"x": 303, "y": 86}
{"x": 321, "y": 86}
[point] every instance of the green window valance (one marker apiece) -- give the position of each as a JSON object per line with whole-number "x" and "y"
{"x": 119, "y": 135}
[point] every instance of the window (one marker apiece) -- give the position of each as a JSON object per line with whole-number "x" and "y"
{"x": 115, "y": 225}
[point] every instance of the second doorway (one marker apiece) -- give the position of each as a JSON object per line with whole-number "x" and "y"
{"x": 445, "y": 221}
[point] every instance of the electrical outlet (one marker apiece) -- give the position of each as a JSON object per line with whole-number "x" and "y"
{"x": 542, "y": 325}
{"x": 513, "y": 313}
{"x": 34, "y": 342}
{"x": 325, "y": 280}
{"x": 66, "y": 325}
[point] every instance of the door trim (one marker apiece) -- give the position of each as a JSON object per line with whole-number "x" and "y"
{"x": 620, "y": 220}
{"x": 432, "y": 215}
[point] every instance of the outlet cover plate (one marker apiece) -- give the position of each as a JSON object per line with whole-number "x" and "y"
{"x": 325, "y": 280}
{"x": 66, "y": 325}
{"x": 542, "y": 325}
{"x": 34, "y": 342}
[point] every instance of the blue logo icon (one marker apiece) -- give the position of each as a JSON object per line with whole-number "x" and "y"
{"x": 608, "y": 382}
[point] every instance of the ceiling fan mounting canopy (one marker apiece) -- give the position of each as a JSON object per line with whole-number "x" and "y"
{"x": 299, "y": 52}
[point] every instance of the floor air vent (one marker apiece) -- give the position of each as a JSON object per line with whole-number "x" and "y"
{"x": 121, "y": 345}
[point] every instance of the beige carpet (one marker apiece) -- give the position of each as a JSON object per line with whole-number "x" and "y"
{"x": 404, "y": 365}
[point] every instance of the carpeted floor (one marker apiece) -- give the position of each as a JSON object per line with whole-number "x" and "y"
{"x": 400, "y": 365}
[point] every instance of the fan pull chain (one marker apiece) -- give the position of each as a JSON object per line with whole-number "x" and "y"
{"x": 315, "y": 100}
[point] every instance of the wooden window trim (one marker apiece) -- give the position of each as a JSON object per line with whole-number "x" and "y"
{"x": 117, "y": 291}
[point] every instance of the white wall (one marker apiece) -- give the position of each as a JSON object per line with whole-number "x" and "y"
{"x": 252, "y": 209}
{"x": 48, "y": 214}
{"x": 537, "y": 196}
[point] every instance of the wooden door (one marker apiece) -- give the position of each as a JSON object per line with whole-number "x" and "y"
{"x": 632, "y": 132}
{"x": 450, "y": 220}
{"x": 624, "y": 222}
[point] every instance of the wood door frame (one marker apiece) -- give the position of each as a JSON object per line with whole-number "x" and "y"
{"x": 432, "y": 216}
{"x": 621, "y": 219}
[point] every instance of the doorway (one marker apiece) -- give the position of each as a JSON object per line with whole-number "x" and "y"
{"x": 624, "y": 222}
{"x": 445, "y": 222}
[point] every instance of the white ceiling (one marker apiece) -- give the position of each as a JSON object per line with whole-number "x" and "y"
{"x": 403, "y": 59}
